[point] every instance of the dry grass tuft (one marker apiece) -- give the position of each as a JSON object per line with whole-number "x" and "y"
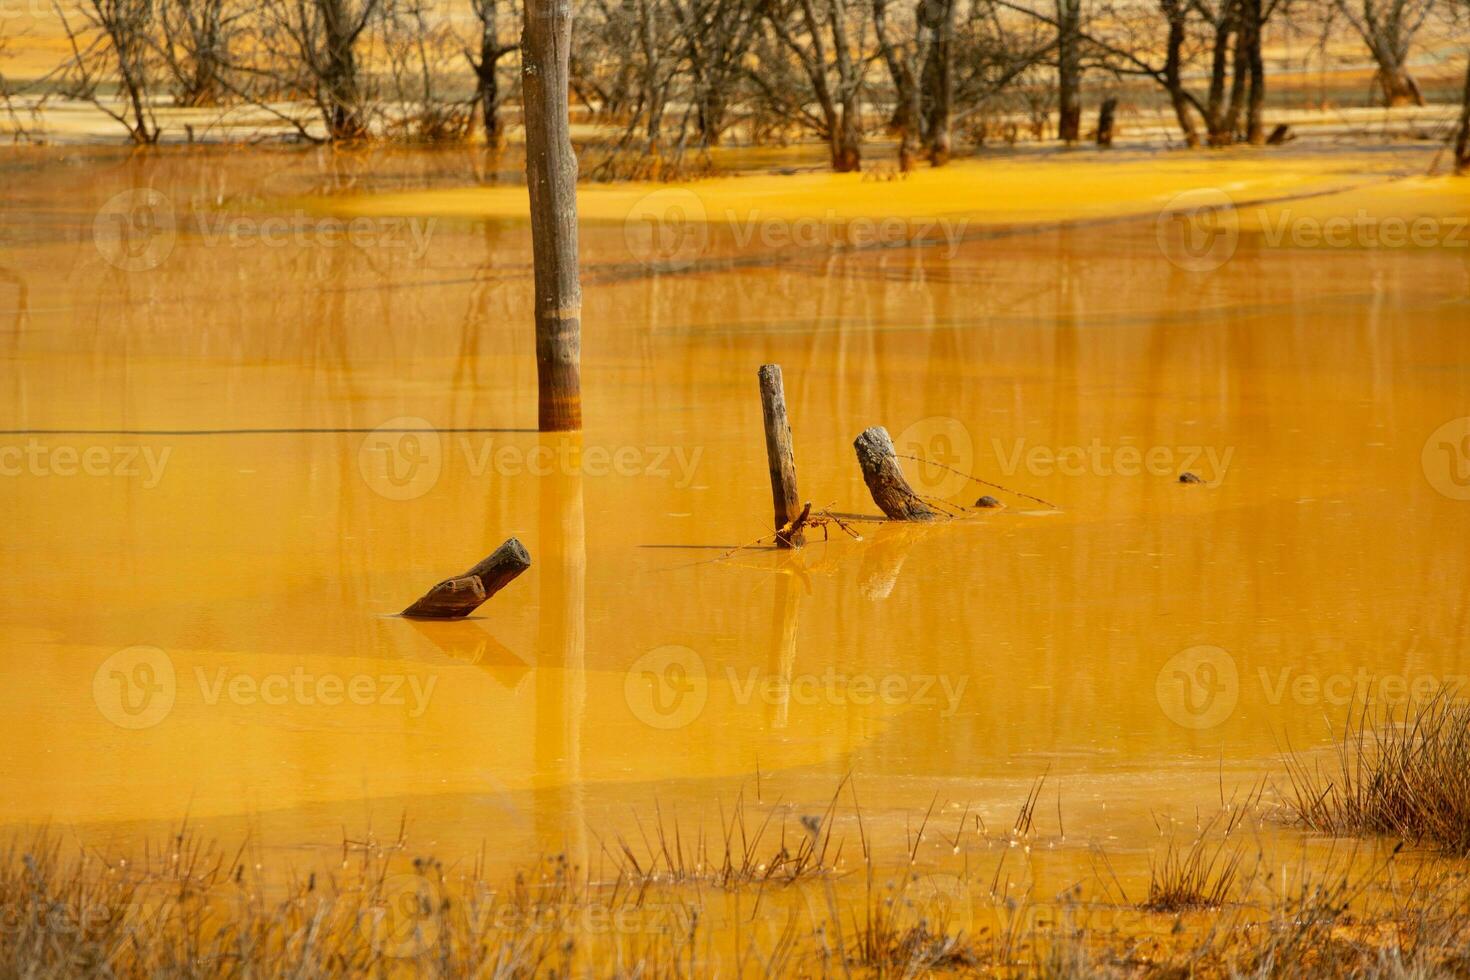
{"x": 1403, "y": 773}
{"x": 751, "y": 849}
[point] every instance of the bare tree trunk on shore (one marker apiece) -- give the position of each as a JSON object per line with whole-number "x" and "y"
{"x": 1462, "y": 137}
{"x": 1253, "y": 25}
{"x": 1176, "y": 14}
{"x": 551, "y": 176}
{"x": 487, "y": 84}
{"x": 837, "y": 87}
{"x": 1388, "y": 29}
{"x": 1069, "y": 70}
{"x": 338, "y": 67}
{"x": 938, "y": 78}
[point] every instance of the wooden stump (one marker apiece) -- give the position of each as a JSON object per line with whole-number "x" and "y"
{"x": 1105, "y": 116}
{"x": 782, "y": 462}
{"x": 455, "y": 598}
{"x": 891, "y": 492}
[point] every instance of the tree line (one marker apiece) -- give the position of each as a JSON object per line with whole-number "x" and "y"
{"x": 670, "y": 76}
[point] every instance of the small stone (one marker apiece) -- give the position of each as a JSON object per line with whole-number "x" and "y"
{"x": 987, "y": 501}
{"x": 1189, "y": 478}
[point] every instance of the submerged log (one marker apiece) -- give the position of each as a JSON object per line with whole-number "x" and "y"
{"x": 455, "y": 598}
{"x": 789, "y": 513}
{"x": 891, "y": 492}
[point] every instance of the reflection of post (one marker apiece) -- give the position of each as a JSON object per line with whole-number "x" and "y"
{"x": 783, "y": 644}
{"x": 561, "y": 670}
{"x": 883, "y": 560}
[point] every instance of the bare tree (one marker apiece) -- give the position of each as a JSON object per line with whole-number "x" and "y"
{"x": 1069, "y": 70}
{"x": 485, "y": 65}
{"x": 551, "y": 176}
{"x": 313, "y": 47}
{"x": 122, "y": 28}
{"x": 422, "y": 58}
{"x": 835, "y": 77}
{"x": 1225, "y": 33}
{"x": 921, "y": 68}
{"x": 717, "y": 35}
{"x": 195, "y": 46}
{"x": 1388, "y": 27}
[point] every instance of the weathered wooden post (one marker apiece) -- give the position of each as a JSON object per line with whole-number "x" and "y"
{"x": 551, "y": 176}
{"x": 891, "y": 492}
{"x": 455, "y": 598}
{"x": 1105, "y": 117}
{"x": 779, "y": 457}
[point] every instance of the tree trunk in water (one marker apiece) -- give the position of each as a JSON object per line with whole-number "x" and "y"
{"x": 551, "y": 177}
{"x": 1217, "y": 121}
{"x": 1254, "y": 24}
{"x": 455, "y": 598}
{"x": 938, "y": 80}
{"x": 1399, "y": 87}
{"x": 490, "y": 108}
{"x": 1105, "y": 117}
{"x": 891, "y": 492}
{"x": 1462, "y": 138}
{"x": 1173, "y": 68}
{"x": 489, "y": 85}
{"x": 1069, "y": 71}
{"x": 711, "y": 118}
{"x": 344, "y": 120}
{"x": 847, "y": 136}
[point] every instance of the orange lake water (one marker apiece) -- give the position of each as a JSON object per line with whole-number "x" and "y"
{"x": 242, "y": 432}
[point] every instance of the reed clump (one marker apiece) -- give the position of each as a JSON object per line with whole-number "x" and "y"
{"x": 1403, "y": 772}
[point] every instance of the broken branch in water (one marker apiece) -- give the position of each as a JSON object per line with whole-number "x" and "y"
{"x": 455, "y": 598}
